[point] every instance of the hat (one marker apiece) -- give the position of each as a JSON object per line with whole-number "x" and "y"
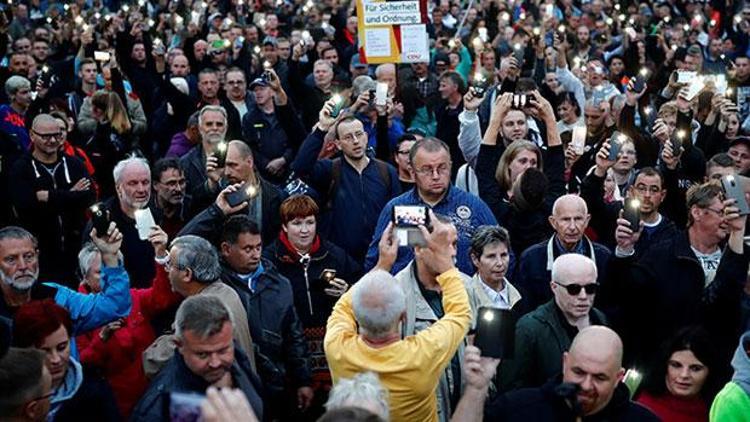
{"x": 442, "y": 57}
{"x": 216, "y": 15}
{"x": 357, "y": 62}
{"x": 258, "y": 82}
{"x": 269, "y": 40}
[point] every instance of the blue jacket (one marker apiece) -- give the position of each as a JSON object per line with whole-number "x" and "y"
{"x": 358, "y": 199}
{"x": 87, "y": 311}
{"x": 466, "y": 212}
{"x": 535, "y": 269}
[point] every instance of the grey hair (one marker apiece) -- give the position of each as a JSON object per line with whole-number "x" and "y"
{"x": 204, "y": 315}
{"x": 362, "y": 388}
{"x": 210, "y": 108}
{"x": 86, "y": 256}
{"x": 123, "y": 164}
{"x": 18, "y": 233}
{"x": 199, "y": 256}
{"x": 326, "y": 62}
{"x": 44, "y": 118}
{"x": 378, "y": 302}
{"x": 14, "y": 83}
{"x": 194, "y": 118}
{"x": 569, "y": 263}
{"x": 488, "y": 235}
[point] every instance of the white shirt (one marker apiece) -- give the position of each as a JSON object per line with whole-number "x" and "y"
{"x": 501, "y": 299}
{"x": 709, "y": 262}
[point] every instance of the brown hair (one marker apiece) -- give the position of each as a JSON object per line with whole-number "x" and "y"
{"x": 502, "y": 172}
{"x": 114, "y": 110}
{"x": 298, "y": 206}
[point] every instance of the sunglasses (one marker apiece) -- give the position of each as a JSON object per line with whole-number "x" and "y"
{"x": 575, "y": 289}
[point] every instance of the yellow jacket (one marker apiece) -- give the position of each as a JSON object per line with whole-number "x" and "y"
{"x": 410, "y": 368}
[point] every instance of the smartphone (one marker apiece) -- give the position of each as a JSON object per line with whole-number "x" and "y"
{"x": 615, "y": 143}
{"x": 520, "y": 101}
{"x": 631, "y": 211}
{"x": 381, "y": 94}
{"x": 100, "y": 219}
{"x": 221, "y": 154}
{"x": 694, "y": 88}
{"x": 480, "y": 85}
{"x": 632, "y": 380}
{"x": 144, "y": 221}
{"x": 337, "y": 106}
{"x": 407, "y": 218}
{"x": 495, "y": 332}
{"x": 185, "y": 407}
{"x": 685, "y": 76}
{"x": 101, "y": 56}
{"x": 328, "y": 275}
{"x": 639, "y": 83}
{"x": 247, "y": 191}
{"x": 519, "y": 54}
{"x": 482, "y": 32}
{"x": 578, "y": 139}
{"x": 733, "y": 189}
{"x": 676, "y": 143}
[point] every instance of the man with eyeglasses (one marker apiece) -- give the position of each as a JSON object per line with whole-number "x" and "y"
{"x": 543, "y": 335}
{"x": 354, "y": 187}
{"x": 431, "y": 167}
{"x": 401, "y": 158}
{"x": 170, "y": 202}
{"x": 648, "y": 188}
{"x": 50, "y": 192}
{"x": 25, "y": 386}
{"x": 689, "y": 279}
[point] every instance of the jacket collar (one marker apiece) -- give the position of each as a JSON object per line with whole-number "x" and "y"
{"x": 551, "y": 250}
{"x": 514, "y": 296}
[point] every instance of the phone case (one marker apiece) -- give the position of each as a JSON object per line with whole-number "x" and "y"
{"x": 614, "y": 147}
{"x": 733, "y": 189}
{"x": 638, "y": 84}
{"x": 632, "y": 213}
{"x": 100, "y": 219}
{"x": 578, "y": 139}
{"x": 144, "y": 221}
{"x": 221, "y": 154}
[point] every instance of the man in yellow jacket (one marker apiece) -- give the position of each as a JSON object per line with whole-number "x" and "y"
{"x": 409, "y": 368}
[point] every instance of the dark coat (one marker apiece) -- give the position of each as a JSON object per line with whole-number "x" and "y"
{"x": 57, "y": 223}
{"x": 665, "y": 290}
{"x": 548, "y": 403}
{"x": 194, "y": 165}
{"x": 540, "y": 342}
{"x": 281, "y": 350}
{"x": 534, "y": 273}
{"x": 313, "y": 305}
{"x": 93, "y": 401}
{"x": 177, "y": 377}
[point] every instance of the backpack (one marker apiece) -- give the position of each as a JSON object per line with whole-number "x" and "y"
{"x": 385, "y": 176}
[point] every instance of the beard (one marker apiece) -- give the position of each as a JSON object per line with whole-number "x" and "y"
{"x": 21, "y": 282}
{"x": 213, "y": 137}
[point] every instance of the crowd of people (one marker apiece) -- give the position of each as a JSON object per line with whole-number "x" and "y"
{"x": 221, "y": 210}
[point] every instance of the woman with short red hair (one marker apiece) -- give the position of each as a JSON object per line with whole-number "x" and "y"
{"x": 76, "y": 394}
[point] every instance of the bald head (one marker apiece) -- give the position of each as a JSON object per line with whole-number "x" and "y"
{"x": 572, "y": 267}
{"x": 242, "y": 149}
{"x": 594, "y": 363}
{"x": 570, "y": 217}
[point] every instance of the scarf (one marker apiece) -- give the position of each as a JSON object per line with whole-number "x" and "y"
{"x": 293, "y": 255}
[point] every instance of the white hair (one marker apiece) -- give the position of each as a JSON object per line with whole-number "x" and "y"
{"x": 378, "y": 303}
{"x": 363, "y": 390}
{"x": 14, "y": 83}
{"x": 86, "y": 256}
{"x": 123, "y": 164}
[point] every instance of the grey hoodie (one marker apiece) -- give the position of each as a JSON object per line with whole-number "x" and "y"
{"x": 741, "y": 365}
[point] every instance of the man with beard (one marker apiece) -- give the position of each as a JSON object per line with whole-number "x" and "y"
{"x": 209, "y": 88}
{"x": 133, "y": 186}
{"x": 19, "y": 269}
{"x": 262, "y": 207}
{"x": 212, "y": 125}
{"x": 170, "y": 202}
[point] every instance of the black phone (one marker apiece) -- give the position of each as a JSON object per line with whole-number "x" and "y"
{"x": 495, "y": 332}
{"x": 519, "y": 54}
{"x": 100, "y": 219}
{"x": 631, "y": 211}
{"x": 247, "y": 191}
{"x": 519, "y": 101}
{"x": 221, "y": 154}
{"x": 733, "y": 189}
{"x": 480, "y": 87}
{"x": 371, "y": 101}
{"x": 639, "y": 83}
{"x": 676, "y": 145}
{"x": 328, "y": 275}
{"x": 615, "y": 143}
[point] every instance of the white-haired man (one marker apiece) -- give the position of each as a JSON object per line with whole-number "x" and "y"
{"x": 409, "y": 368}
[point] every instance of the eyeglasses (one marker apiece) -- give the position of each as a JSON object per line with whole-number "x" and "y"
{"x": 49, "y": 136}
{"x": 429, "y": 171}
{"x": 720, "y": 213}
{"x": 575, "y": 289}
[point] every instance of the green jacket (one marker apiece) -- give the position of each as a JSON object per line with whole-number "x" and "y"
{"x": 540, "y": 343}
{"x": 731, "y": 404}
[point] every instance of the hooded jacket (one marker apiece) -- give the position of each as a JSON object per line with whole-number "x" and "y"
{"x": 82, "y": 396}
{"x": 733, "y": 401}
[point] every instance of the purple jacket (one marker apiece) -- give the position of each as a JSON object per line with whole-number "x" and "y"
{"x": 179, "y": 146}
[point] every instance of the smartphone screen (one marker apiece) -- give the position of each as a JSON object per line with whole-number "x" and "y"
{"x": 144, "y": 221}
{"x": 578, "y": 139}
{"x": 409, "y": 215}
{"x": 185, "y": 407}
{"x": 495, "y": 332}
{"x": 381, "y": 94}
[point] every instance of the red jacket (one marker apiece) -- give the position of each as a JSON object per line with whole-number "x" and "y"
{"x": 119, "y": 358}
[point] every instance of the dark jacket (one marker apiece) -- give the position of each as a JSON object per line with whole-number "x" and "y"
{"x": 604, "y": 217}
{"x": 271, "y": 136}
{"x": 208, "y": 223}
{"x": 447, "y": 131}
{"x": 281, "y": 351}
{"x": 549, "y": 403}
{"x": 665, "y": 290}
{"x": 313, "y": 305}
{"x": 358, "y": 199}
{"x": 177, "y": 377}
{"x": 194, "y": 165}
{"x": 535, "y": 268}
{"x": 541, "y": 339}
{"x": 93, "y": 400}
{"x": 57, "y": 223}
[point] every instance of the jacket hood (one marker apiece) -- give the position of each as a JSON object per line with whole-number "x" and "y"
{"x": 741, "y": 365}
{"x": 68, "y": 388}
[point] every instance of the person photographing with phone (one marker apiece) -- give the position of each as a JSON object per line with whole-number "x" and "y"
{"x": 409, "y": 368}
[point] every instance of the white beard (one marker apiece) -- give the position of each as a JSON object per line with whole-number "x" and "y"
{"x": 21, "y": 284}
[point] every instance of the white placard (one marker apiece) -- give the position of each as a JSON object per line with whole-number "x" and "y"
{"x": 392, "y": 13}
{"x": 414, "y": 44}
{"x": 378, "y": 42}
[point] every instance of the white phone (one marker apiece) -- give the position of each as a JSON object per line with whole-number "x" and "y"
{"x": 579, "y": 139}
{"x": 381, "y": 94}
{"x": 144, "y": 221}
{"x": 101, "y": 56}
{"x": 685, "y": 76}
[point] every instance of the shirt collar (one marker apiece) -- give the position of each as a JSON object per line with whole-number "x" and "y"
{"x": 499, "y": 299}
